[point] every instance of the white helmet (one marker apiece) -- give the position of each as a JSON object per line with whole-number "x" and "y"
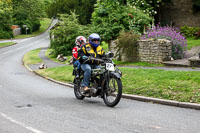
{"x": 80, "y": 40}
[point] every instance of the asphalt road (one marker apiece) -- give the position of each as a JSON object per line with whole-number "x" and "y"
{"x": 31, "y": 104}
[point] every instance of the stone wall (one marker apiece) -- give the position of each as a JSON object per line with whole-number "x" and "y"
{"x": 154, "y": 51}
{"x": 179, "y": 13}
{"x": 147, "y": 51}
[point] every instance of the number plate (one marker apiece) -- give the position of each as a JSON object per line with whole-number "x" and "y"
{"x": 110, "y": 67}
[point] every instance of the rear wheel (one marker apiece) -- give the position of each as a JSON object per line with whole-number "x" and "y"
{"x": 113, "y": 92}
{"x": 77, "y": 92}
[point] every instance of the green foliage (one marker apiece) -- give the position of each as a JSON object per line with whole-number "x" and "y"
{"x": 6, "y": 19}
{"x": 66, "y": 32}
{"x": 110, "y": 17}
{"x": 189, "y": 31}
{"x": 150, "y": 7}
{"x": 198, "y": 35}
{"x": 28, "y": 12}
{"x": 83, "y": 8}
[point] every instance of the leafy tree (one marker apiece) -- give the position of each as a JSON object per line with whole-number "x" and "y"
{"x": 28, "y": 12}
{"x": 5, "y": 19}
{"x": 83, "y": 8}
{"x": 112, "y": 16}
{"x": 65, "y": 33}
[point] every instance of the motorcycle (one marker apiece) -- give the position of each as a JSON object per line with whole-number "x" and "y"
{"x": 105, "y": 81}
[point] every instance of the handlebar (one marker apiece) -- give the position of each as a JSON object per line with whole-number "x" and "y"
{"x": 93, "y": 59}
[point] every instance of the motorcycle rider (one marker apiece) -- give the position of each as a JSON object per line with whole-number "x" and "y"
{"x": 80, "y": 40}
{"x": 94, "y": 50}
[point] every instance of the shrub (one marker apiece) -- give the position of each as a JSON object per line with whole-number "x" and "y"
{"x": 65, "y": 33}
{"x": 126, "y": 44}
{"x": 197, "y": 35}
{"x": 111, "y": 17}
{"x": 189, "y": 31}
{"x": 6, "y": 34}
{"x": 179, "y": 43}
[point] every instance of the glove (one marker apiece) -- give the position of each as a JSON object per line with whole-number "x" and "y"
{"x": 84, "y": 57}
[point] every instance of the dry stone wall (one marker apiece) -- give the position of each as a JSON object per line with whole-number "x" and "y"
{"x": 151, "y": 51}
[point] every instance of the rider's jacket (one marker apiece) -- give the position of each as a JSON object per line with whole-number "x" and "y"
{"x": 74, "y": 54}
{"x": 88, "y": 50}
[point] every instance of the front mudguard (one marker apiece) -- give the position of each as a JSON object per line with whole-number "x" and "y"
{"x": 116, "y": 74}
{"x": 112, "y": 74}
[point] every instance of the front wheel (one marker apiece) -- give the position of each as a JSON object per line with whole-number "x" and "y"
{"x": 77, "y": 91}
{"x": 113, "y": 92}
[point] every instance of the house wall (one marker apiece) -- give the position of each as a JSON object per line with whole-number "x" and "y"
{"x": 179, "y": 13}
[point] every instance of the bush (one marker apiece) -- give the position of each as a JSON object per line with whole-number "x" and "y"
{"x": 179, "y": 43}
{"x": 109, "y": 18}
{"x": 65, "y": 33}
{"x": 189, "y": 31}
{"x": 197, "y": 36}
{"x": 36, "y": 25}
{"x": 6, "y": 34}
{"x": 126, "y": 44}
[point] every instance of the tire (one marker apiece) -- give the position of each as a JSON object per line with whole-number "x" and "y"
{"x": 77, "y": 92}
{"x": 114, "y": 91}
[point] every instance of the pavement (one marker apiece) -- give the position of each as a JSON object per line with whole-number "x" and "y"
{"x": 49, "y": 63}
{"x": 185, "y": 61}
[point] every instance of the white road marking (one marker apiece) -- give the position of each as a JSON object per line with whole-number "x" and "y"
{"x": 8, "y": 51}
{"x": 22, "y": 46}
{"x": 20, "y": 123}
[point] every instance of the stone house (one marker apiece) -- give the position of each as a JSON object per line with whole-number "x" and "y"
{"x": 179, "y": 13}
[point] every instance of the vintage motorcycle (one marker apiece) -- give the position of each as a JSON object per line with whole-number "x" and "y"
{"x": 105, "y": 81}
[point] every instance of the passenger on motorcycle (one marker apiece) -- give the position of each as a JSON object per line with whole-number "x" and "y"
{"x": 90, "y": 49}
{"x": 80, "y": 40}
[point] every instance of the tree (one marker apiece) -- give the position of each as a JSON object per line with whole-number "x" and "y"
{"x": 83, "y": 8}
{"x": 28, "y": 12}
{"x": 65, "y": 32}
{"x": 112, "y": 16}
{"x": 6, "y": 19}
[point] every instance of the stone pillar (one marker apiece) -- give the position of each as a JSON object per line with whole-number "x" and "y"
{"x": 154, "y": 51}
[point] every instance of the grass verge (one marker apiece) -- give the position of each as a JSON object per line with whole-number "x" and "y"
{"x": 192, "y": 42}
{"x": 32, "y": 57}
{"x": 6, "y": 44}
{"x": 172, "y": 85}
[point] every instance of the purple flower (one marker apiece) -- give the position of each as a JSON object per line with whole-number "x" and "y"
{"x": 173, "y": 34}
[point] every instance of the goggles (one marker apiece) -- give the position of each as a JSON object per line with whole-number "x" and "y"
{"x": 94, "y": 40}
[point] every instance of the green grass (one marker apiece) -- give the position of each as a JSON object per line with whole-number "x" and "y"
{"x": 45, "y": 22}
{"x": 32, "y": 57}
{"x": 6, "y": 44}
{"x": 144, "y": 64}
{"x": 63, "y": 73}
{"x": 192, "y": 42}
{"x": 172, "y": 85}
